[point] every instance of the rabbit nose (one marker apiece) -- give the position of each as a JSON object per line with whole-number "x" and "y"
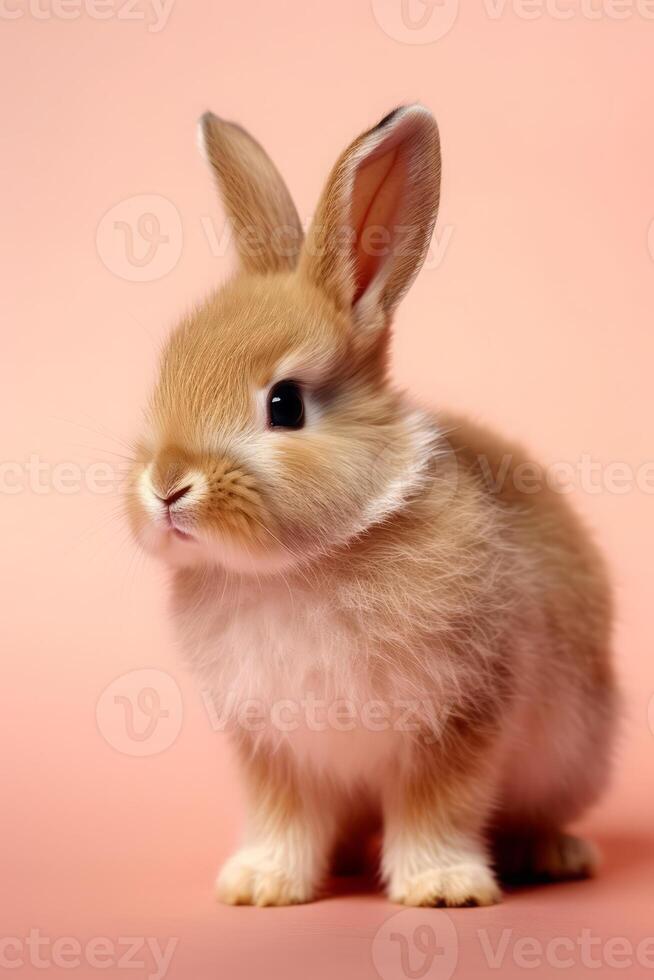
{"x": 175, "y": 496}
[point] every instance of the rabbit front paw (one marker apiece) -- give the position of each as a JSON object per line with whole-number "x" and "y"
{"x": 254, "y": 877}
{"x": 456, "y": 886}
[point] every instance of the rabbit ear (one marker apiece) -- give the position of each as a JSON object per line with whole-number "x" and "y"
{"x": 373, "y": 225}
{"x": 266, "y": 226}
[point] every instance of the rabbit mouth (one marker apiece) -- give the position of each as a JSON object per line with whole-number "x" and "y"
{"x": 176, "y": 530}
{"x": 182, "y": 535}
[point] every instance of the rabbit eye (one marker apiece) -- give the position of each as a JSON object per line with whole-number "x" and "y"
{"x": 285, "y": 405}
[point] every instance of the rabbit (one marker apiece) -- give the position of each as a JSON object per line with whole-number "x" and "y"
{"x": 393, "y": 640}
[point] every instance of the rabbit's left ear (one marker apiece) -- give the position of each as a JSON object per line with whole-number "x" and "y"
{"x": 266, "y": 225}
{"x": 373, "y": 225}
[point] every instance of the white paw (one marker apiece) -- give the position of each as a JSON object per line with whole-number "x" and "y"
{"x": 252, "y": 878}
{"x": 455, "y": 886}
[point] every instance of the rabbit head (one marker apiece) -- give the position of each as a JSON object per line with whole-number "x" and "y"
{"x": 273, "y": 434}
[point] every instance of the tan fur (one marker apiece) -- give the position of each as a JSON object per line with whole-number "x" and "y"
{"x": 256, "y": 197}
{"x": 368, "y": 556}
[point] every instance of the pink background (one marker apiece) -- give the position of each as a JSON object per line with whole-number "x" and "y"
{"x": 534, "y": 314}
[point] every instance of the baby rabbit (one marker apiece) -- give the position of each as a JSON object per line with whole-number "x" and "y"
{"x": 393, "y": 639}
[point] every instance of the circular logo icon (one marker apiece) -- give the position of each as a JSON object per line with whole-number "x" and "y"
{"x": 141, "y": 712}
{"x": 140, "y": 239}
{"x": 416, "y": 21}
{"x": 416, "y": 944}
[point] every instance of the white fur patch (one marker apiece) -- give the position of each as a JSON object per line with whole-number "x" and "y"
{"x": 425, "y": 436}
{"x": 292, "y": 673}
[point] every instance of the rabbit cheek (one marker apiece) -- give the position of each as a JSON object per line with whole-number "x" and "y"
{"x": 239, "y": 526}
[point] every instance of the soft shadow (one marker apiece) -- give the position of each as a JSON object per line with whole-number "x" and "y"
{"x": 621, "y": 852}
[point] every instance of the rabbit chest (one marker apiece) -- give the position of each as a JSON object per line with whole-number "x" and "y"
{"x": 288, "y": 670}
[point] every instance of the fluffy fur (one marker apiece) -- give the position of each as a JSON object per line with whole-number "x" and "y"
{"x": 390, "y": 639}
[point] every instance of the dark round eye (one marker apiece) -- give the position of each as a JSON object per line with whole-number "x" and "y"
{"x": 285, "y": 405}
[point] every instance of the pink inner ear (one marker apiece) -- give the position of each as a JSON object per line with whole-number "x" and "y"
{"x": 376, "y": 198}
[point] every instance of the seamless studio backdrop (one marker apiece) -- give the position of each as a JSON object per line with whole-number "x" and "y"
{"x": 533, "y": 314}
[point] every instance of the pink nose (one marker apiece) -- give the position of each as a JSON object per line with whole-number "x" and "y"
{"x": 174, "y": 497}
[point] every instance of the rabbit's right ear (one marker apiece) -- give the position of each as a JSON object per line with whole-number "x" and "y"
{"x": 266, "y": 226}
